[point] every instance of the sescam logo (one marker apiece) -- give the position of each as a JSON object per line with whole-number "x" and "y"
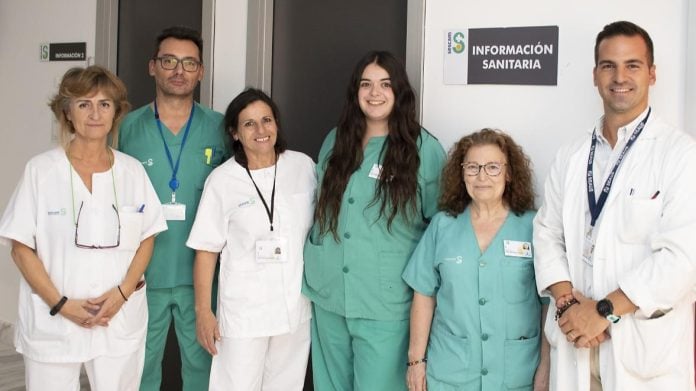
{"x": 249, "y": 202}
{"x": 59, "y": 212}
{"x": 458, "y": 40}
{"x": 149, "y": 162}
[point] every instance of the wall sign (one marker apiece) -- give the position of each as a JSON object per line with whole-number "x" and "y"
{"x": 512, "y": 55}
{"x": 71, "y": 51}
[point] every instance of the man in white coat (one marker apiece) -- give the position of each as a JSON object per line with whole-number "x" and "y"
{"x": 615, "y": 237}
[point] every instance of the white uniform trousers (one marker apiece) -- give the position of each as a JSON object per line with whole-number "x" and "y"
{"x": 120, "y": 373}
{"x": 275, "y": 363}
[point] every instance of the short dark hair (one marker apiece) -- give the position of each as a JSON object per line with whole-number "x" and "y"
{"x": 183, "y": 33}
{"x": 239, "y": 103}
{"x": 628, "y": 29}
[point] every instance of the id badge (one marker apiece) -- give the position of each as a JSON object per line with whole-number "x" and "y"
{"x": 375, "y": 171}
{"x": 174, "y": 211}
{"x": 588, "y": 247}
{"x": 271, "y": 250}
{"x": 514, "y": 248}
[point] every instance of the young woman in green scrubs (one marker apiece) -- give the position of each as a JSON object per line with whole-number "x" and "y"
{"x": 476, "y": 316}
{"x": 379, "y": 173}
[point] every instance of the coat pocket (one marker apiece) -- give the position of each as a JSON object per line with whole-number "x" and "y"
{"x": 649, "y": 347}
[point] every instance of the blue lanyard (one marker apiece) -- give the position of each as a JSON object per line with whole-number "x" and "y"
{"x": 597, "y": 206}
{"x": 174, "y": 183}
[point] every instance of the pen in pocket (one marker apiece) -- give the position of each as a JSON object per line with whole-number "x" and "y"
{"x": 657, "y": 193}
{"x": 141, "y": 209}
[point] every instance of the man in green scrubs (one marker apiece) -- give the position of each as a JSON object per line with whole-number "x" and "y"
{"x": 361, "y": 304}
{"x": 179, "y": 142}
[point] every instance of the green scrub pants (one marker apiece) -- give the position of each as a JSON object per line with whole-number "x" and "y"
{"x": 163, "y": 305}
{"x": 358, "y": 354}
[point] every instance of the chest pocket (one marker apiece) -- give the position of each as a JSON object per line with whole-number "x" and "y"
{"x": 205, "y": 159}
{"x": 518, "y": 279}
{"x": 639, "y": 217}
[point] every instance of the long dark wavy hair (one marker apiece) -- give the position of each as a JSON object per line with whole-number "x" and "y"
{"x": 396, "y": 191}
{"x": 519, "y": 187}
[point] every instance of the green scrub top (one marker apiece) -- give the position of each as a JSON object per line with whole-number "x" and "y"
{"x": 172, "y": 262}
{"x": 360, "y": 275}
{"x": 485, "y": 333}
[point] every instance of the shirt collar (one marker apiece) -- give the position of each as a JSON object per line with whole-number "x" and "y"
{"x": 624, "y": 131}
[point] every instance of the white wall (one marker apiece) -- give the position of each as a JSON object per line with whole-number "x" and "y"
{"x": 541, "y": 118}
{"x": 691, "y": 70}
{"x": 27, "y": 85}
{"x": 229, "y": 63}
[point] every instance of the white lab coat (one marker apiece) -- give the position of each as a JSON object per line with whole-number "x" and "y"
{"x": 644, "y": 246}
{"x": 255, "y": 299}
{"x": 40, "y": 216}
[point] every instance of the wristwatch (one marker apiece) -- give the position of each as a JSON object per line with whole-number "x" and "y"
{"x": 606, "y": 309}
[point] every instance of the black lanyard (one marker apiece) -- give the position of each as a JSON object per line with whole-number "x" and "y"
{"x": 269, "y": 212}
{"x": 597, "y": 206}
{"x": 174, "y": 183}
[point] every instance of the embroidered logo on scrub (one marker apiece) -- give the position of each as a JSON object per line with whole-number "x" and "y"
{"x": 458, "y": 259}
{"x": 59, "y": 212}
{"x": 149, "y": 162}
{"x": 247, "y": 203}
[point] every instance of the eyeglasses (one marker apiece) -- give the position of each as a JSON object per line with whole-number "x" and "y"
{"x": 491, "y": 169}
{"x": 170, "y": 63}
{"x": 93, "y": 246}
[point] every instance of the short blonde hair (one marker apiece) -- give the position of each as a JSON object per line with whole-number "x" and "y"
{"x": 79, "y": 82}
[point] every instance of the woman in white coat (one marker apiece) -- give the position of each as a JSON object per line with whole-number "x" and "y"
{"x": 81, "y": 224}
{"x": 255, "y": 213}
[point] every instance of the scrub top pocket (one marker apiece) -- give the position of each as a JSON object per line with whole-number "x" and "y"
{"x": 521, "y": 360}
{"x": 131, "y": 229}
{"x": 393, "y": 288}
{"x": 448, "y": 356}
{"x": 518, "y": 279}
{"x": 45, "y": 326}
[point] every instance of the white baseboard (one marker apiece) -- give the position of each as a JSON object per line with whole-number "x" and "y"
{"x": 6, "y": 333}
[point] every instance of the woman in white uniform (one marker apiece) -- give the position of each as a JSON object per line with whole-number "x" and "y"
{"x": 81, "y": 224}
{"x": 255, "y": 212}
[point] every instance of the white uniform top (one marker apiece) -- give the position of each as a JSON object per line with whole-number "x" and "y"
{"x": 644, "y": 245}
{"x": 257, "y": 299}
{"x": 40, "y": 216}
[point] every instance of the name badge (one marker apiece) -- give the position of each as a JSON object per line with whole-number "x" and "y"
{"x": 271, "y": 250}
{"x": 514, "y": 248}
{"x": 375, "y": 171}
{"x": 175, "y": 212}
{"x": 588, "y": 247}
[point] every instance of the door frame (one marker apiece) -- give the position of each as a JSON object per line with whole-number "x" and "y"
{"x": 106, "y": 42}
{"x": 259, "y": 46}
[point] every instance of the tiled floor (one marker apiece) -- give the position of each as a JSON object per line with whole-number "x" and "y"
{"x": 12, "y": 371}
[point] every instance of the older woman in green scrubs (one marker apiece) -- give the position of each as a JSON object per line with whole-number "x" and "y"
{"x": 476, "y": 317}
{"x": 379, "y": 176}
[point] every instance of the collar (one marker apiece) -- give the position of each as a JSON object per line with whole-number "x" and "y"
{"x": 624, "y": 131}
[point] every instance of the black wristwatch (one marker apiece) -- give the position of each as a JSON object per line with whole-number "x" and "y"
{"x": 606, "y": 309}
